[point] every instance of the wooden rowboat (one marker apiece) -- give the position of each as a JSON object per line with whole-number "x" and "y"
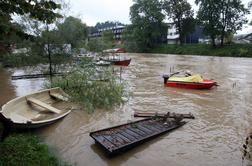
{"x": 36, "y": 109}
{"x": 123, "y": 137}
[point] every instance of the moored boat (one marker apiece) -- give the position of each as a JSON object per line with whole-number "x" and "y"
{"x": 36, "y": 109}
{"x": 188, "y": 82}
{"x": 116, "y": 59}
{"x": 119, "y": 62}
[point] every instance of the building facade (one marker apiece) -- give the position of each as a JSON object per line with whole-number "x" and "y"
{"x": 117, "y": 31}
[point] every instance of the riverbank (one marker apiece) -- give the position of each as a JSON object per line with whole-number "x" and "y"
{"x": 26, "y": 149}
{"x": 235, "y": 50}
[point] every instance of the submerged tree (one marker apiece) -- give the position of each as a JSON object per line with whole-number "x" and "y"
{"x": 180, "y": 12}
{"x": 147, "y": 27}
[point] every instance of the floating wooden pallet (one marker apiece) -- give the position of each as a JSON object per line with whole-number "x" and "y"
{"x": 119, "y": 138}
{"x": 171, "y": 115}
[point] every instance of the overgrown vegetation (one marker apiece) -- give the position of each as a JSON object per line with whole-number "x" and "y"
{"x": 91, "y": 87}
{"x": 26, "y": 149}
{"x": 23, "y": 59}
{"x": 236, "y": 50}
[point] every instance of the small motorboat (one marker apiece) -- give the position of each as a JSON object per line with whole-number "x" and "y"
{"x": 37, "y": 109}
{"x": 188, "y": 81}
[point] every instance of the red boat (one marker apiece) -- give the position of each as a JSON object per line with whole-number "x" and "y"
{"x": 202, "y": 84}
{"x": 124, "y": 62}
{"x": 116, "y": 59}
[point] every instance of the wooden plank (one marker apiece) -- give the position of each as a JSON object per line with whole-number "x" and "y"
{"x": 58, "y": 96}
{"x": 113, "y": 140}
{"x": 172, "y": 115}
{"x": 132, "y": 133}
{"x": 131, "y": 138}
{"x": 123, "y": 137}
{"x": 104, "y": 142}
{"x": 43, "y": 105}
{"x": 144, "y": 129}
{"x": 136, "y": 130}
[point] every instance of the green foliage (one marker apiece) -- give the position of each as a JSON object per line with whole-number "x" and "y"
{"x": 40, "y": 10}
{"x": 182, "y": 16}
{"x": 147, "y": 28}
{"x": 100, "y": 44}
{"x": 235, "y": 50}
{"x": 22, "y": 150}
{"x": 108, "y": 38}
{"x": 72, "y": 31}
{"x": 221, "y": 17}
{"x": 91, "y": 88}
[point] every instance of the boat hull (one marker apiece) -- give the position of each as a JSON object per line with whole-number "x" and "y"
{"x": 18, "y": 113}
{"x": 122, "y": 62}
{"x": 205, "y": 84}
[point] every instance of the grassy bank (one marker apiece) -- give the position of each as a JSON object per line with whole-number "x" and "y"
{"x": 235, "y": 50}
{"x": 26, "y": 149}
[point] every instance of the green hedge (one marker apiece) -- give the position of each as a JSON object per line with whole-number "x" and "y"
{"x": 234, "y": 50}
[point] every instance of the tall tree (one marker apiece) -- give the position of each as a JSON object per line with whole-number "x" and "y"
{"x": 73, "y": 31}
{"x": 221, "y": 17}
{"x": 181, "y": 13}
{"x": 147, "y": 27}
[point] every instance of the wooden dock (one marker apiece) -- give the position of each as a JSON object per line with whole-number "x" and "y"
{"x": 120, "y": 138}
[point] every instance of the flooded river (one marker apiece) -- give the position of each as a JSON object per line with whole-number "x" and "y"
{"x": 223, "y": 114}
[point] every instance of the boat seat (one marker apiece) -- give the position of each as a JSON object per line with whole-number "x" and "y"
{"x": 19, "y": 118}
{"x": 43, "y": 105}
{"x": 58, "y": 96}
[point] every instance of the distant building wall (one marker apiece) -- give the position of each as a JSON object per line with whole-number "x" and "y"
{"x": 117, "y": 31}
{"x": 197, "y": 36}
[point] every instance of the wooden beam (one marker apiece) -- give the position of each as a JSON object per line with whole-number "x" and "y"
{"x": 43, "y": 105}
{"x": 59, "y": 96}
{"x": 171, "y": 115}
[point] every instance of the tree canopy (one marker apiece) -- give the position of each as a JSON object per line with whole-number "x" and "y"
{"x": 221, "y": 17}
{"x": 73, "y": 31}
{"x": 40, "y": 10}
{"x": 182, "y": 16}
{"x": 147, "y": 27}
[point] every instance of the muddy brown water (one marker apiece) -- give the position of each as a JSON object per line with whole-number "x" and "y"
{"x": 223, "y": 114}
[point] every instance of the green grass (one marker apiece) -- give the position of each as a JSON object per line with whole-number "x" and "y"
{"x": 234, "y": 50}
{"x": 26, "y": 150}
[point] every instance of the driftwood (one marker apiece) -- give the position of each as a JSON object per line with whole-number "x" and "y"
{"x": 168, "y": 114}
{"x": 29, "y": 76}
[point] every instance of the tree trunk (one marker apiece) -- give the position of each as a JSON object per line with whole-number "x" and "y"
{"x": 222, "y": 37}
{"x": 213, "y": 41}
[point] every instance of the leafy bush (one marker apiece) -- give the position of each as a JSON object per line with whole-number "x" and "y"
{"x": 235, "y": 50}
{"x": 22, "y": 150}
{"x": 91, "y": 87}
